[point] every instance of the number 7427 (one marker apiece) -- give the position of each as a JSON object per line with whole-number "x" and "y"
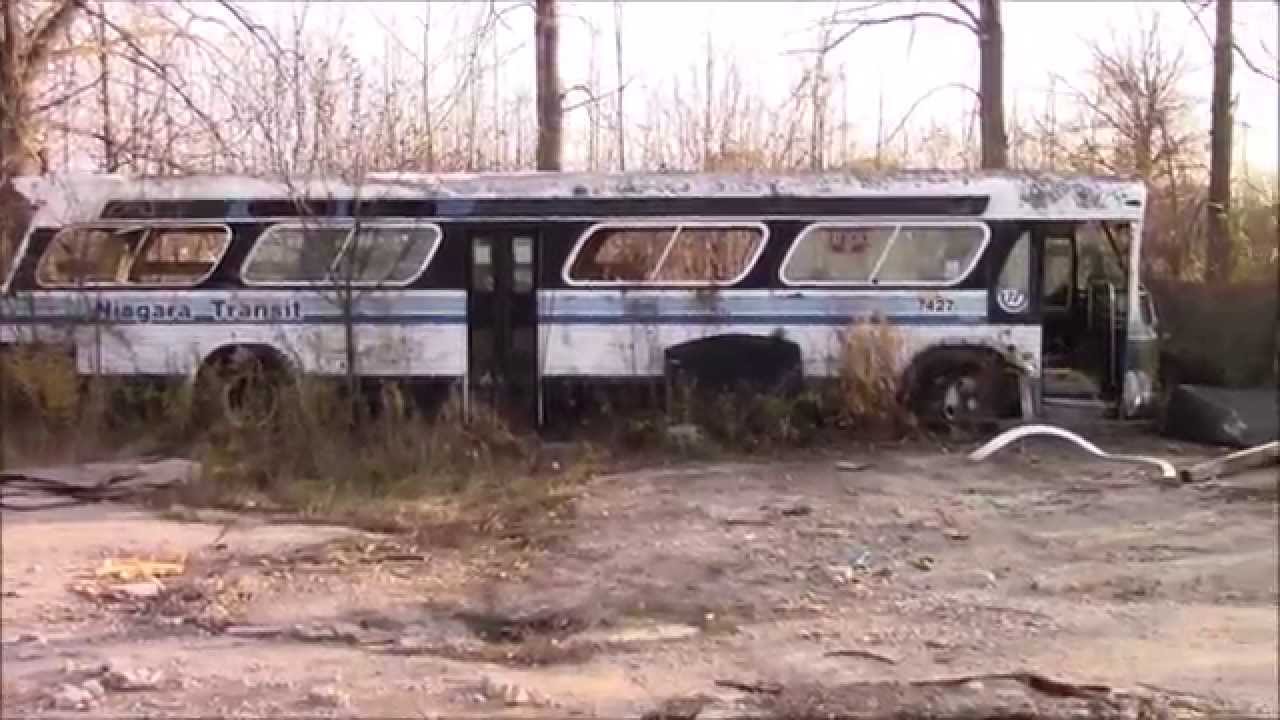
{"x": 936, "y": 304}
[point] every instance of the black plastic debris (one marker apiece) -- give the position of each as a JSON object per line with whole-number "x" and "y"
{"x": 1230, "y": 417}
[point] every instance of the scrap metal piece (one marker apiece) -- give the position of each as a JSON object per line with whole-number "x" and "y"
{"x": 1236, "y": 462}
{"x": 1004, "y": 439}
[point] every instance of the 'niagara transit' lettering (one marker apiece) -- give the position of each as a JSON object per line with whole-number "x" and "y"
{"x": 238, "y": 312}
{"x": 141, "y": 312}
{"x": 223, "y": 311}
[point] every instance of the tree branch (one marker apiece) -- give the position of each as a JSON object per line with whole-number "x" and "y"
{"x": 1240, "y": 53}
{"x": 46, "y": 30}
{"x": 968, "y": 13}
{"x": 857, "y": 23}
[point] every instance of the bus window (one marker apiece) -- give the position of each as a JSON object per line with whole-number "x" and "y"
{"x": 295, "y": 254}
{"x": 614, "y": 254}
{"x": 862, "y": 254}
{"x": 1104, "y": 252}
{"x": 389, "y": 254}
{"x": 1059, "y": 282}
{"x": 837, "y": 253}
{"x": 181, "y": 256}
{"x": 685, "y": 253}
{"x": 1013, "y": 288}
{"x": 88, "y": 256}
{"x": 717, "y": 254}
{"x": 931, "y": 254}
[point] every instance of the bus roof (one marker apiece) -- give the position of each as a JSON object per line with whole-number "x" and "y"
{"x": 61, "y": 200}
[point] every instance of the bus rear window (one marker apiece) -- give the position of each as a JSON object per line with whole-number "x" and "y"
{"x": 891, "y": 253}
{"x": 122, "y": 256}
{"x": 679, "y": 254}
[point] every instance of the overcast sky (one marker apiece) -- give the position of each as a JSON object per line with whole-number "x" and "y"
{"x": 663, "y": 39}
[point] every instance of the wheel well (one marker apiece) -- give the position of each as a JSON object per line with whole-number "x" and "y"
{"x": 939, "y": 359}
{"x": 717, "y": 361}
{"x": 270, "y": 357}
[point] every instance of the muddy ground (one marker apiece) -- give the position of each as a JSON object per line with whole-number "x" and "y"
{"x": 907, "y": 564}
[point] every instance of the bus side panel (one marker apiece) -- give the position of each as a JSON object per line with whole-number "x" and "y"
{"x": 397, "y": 333}
{"x": 623, "y": 334}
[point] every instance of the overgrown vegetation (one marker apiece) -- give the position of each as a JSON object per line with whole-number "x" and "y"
{"x": 321, "y": 453}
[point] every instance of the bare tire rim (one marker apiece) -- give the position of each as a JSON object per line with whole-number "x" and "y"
{"x": 960, "y": 400}
{"x": 248, "y": 402}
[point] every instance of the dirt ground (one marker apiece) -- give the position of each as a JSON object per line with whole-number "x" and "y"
{"x": 902, "y": 564}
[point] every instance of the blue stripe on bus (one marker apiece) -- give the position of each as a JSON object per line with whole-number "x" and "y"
{"x": 556, "y": 319}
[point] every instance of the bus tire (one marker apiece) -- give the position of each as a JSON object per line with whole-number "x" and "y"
{"x": 962, "y": 392}
{"x": 242, "y": 387}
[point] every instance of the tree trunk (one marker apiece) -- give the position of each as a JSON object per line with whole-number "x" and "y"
{"x": 550, "y": 112}
{"x": 995, "y": 144}
{"x": 617, "y": 41}
{"x": 1218, "y": 254}
{"x": 15, "y": 160}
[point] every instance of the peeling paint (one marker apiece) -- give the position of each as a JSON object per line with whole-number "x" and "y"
{"x": 63, "y": 199}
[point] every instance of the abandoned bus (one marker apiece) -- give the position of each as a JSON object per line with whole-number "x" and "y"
{"x": 509, "y": 286}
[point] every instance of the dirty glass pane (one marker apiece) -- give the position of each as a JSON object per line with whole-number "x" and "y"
{"x": 1013, "y": 289}
{"x": 710, "y": 254}
{"x": 93, "y": 256}
{"x": 295, "y": 253}
{"x": 482, "y": 265}
{"x": 1058, "y": 283}
{"x": 394, "y": 255}
{"x": 522, "y": 274}
{"x": 843, "y": 253}
{"x": 1103, "y": 258}
{"x": 930, "y": 254}
{"x": 179, "y": 255}
{"x": 621, "y": 254}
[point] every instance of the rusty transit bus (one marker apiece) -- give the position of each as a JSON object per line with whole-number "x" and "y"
{"x": 508, "y": 287}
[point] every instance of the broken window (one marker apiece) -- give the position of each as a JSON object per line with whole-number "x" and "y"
{"x": 88, "y": 256}
{"x": 179, "y": 256}
{"x": 894, "y": 253}
{"x": 685, "y": 254}
{"x": 134, "y": 255}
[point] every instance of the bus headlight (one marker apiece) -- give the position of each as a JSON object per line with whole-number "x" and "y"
{"x": 1138, "y": 393}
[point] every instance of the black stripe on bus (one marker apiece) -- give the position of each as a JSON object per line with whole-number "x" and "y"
{"x": 462, "y": 208}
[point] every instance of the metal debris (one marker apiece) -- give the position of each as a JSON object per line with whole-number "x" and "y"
{"x": 1236, "y": 462}
{"x": 1004, "y": 439}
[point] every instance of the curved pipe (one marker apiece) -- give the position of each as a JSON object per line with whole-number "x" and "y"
{"x": 1004, "y": 439}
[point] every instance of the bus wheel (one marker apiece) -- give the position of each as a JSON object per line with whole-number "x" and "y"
{"x": 243, "y": 389}
{"x": 959, "y": 398}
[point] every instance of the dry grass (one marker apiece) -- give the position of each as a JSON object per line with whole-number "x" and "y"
{"x": 387, "y": 465}
{"x": 54, "y": 415}
{"x": 869, "y": 376}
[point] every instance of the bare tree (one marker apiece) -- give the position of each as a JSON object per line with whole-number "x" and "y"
{"x": 985, "y": 24}
{"x": 27, "y": 41}
{"x": 550, "y": 110}
{"x": 1137, "y": 94}
{"x": 619, "y": 116}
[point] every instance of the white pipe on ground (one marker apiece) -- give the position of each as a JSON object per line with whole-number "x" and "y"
{"x": 1004, "y": 439}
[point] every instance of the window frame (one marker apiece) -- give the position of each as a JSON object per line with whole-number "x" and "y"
{"x": 677, "y": 225}
{"x": 351, "y": 226}
{"x": 897, "y": 225}
{"x": 147, "y": 227}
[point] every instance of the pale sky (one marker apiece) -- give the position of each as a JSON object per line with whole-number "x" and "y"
{"x": 664, "y": 39}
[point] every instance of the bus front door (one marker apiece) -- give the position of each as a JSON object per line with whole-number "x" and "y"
{"x": 502, "y": 322}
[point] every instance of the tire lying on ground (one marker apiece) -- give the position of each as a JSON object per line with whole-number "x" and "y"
{"x": 1231, "y": 417}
